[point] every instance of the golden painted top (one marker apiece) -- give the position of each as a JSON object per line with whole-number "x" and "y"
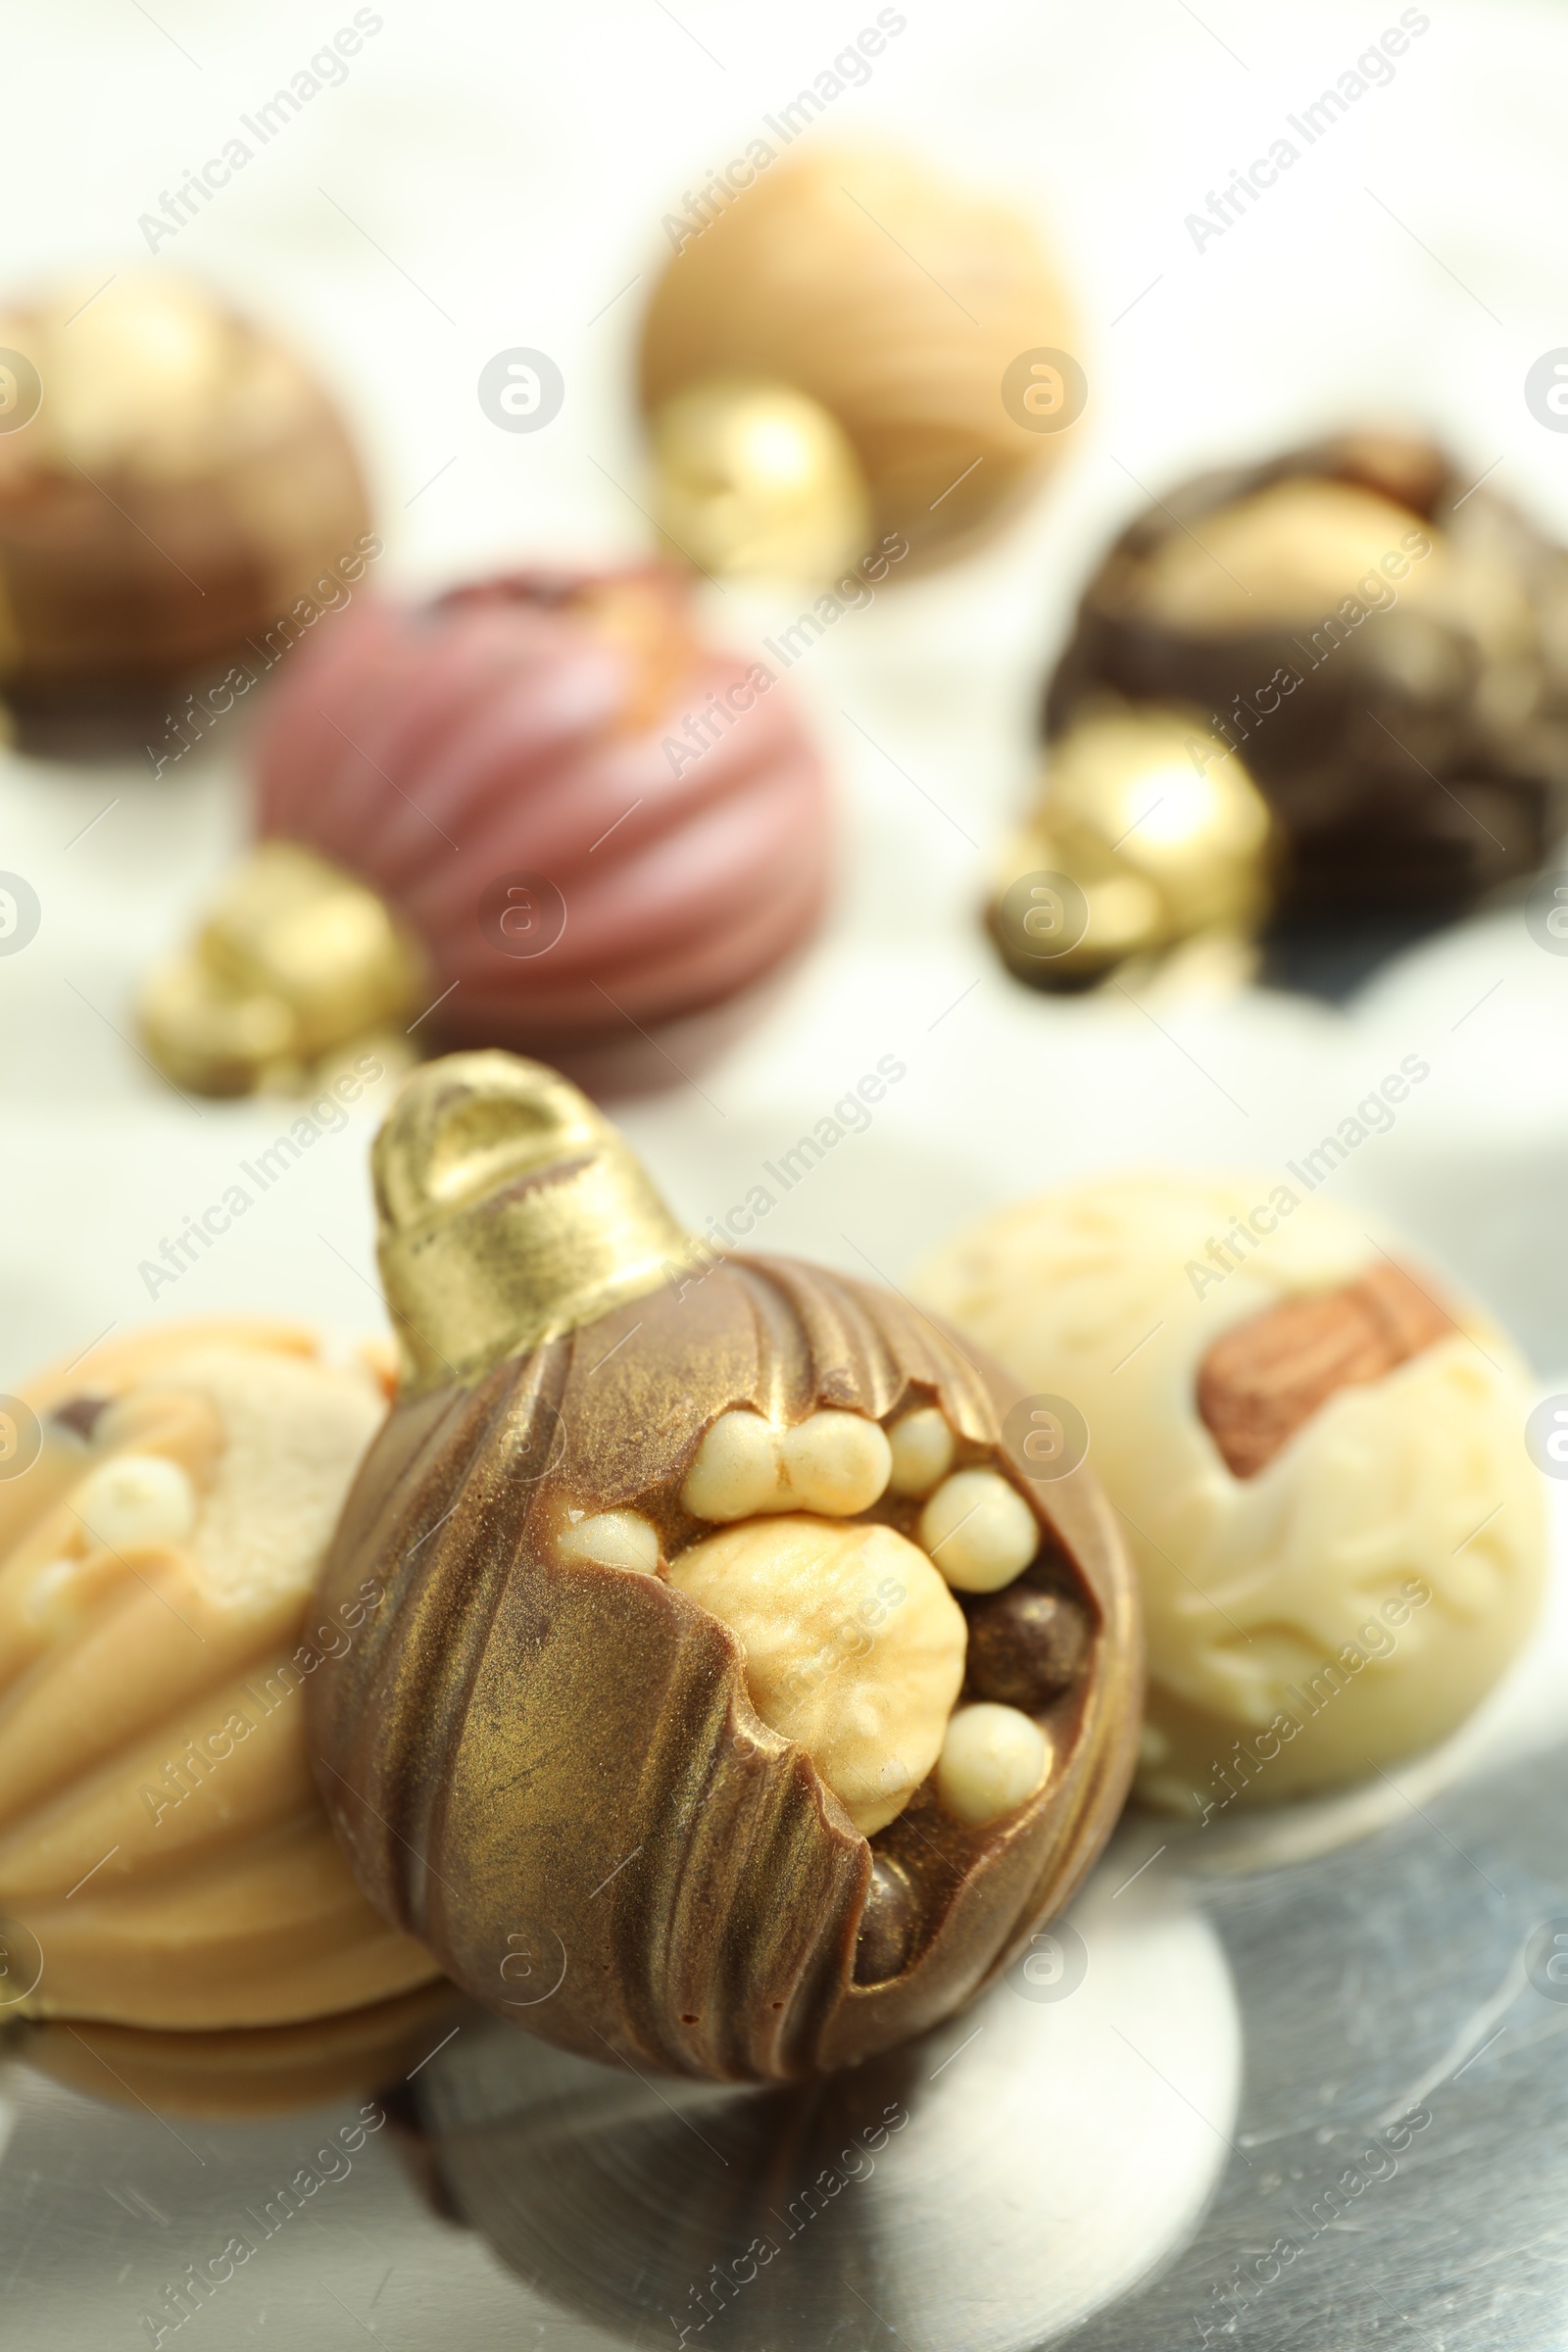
{"x": 511, "y": 1211}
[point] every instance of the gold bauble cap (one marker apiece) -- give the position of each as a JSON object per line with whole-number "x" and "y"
{"x": 511, "y": 1211}
{"x": 1149, "y": 832}
{"x": 756, "y": 481}
{"x": 296, "y": 960}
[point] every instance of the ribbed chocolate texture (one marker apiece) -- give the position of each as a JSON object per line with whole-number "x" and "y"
{"x": 552, "y": 1774}
{"x": 595, "y": 823}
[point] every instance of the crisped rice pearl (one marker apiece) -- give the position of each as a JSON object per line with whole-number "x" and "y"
{"x": 837, "y": 1463}
{"x": 613, "y": 1539}
{"x": 979, "y": 1531}
{"x": 833, "y": 1462}
{"x": 992, "y": 1759}
{"x": 923, "y": 1451}
{"x": 136, "y": 1500}
{"x": 736, "y": 1470}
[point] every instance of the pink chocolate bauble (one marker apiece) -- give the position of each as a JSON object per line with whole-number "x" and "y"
{"x": 597, "y": 824}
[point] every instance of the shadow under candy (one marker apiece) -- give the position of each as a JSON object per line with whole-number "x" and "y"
{"x": 975, "y": 2191}
{"x": 729, "y": 2216}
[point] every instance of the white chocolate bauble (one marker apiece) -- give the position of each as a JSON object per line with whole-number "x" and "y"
{"x": 1283, "y": 1609}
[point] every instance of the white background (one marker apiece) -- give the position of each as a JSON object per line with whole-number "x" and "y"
{"x": 494, "y": 175}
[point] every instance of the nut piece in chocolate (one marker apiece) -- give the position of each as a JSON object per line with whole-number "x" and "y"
{"x": 668, "y": 1690}
{"x": 1316, "y": 1451}
{"x": 1380, "y": 641}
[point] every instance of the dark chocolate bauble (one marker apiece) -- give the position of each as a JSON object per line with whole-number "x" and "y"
{"x": 1405, "y": 710}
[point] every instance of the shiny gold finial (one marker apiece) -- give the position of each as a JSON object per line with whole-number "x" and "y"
{"x": 295, "y": 962}
{"x": 758, "y": 481}
{"x": 511, "y": 1211}
{"x": 1150, "y": 832}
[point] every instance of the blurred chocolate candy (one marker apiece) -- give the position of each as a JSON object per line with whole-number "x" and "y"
{"x": 295, "y": 962}
{"x": 172, "y": 481}
{"x": 1147, "y": 833}
{"x": 927, "y": 324}
{"x": 1382, "y": 640}
{"x": 599, "y": 825}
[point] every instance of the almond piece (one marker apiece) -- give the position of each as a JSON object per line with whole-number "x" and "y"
{"x": 1259, "y": 1382}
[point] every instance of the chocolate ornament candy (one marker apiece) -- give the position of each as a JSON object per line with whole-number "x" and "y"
{"x": 656, "y": 1742}
{"x": 296, "y": 965}
{"x": 597, "y": 825}
{"x": 180, "y": 483}
{"x": 1317, "y": 1453}
{"x": 1148, "y": 835}
{"x": 164, "y": 1860}
{"x": 904, "y": 308}
{"x": 1377, "y": 638}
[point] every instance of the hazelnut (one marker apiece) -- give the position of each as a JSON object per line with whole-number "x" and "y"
{"x": 854, "y": 1647}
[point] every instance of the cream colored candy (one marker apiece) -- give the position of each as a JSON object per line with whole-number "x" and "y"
{"x": 159, "y": 1833}
{"x": 854, "y": 1647}
{"x": 833, "y": 1462}
{"x": 614, "y": 1540}
{"x": 1289, "y": 1643}
{"x": 923, "y": 1451}
{"x": 979, "y": 1531}
{"x": 836, "y": 1462}
{"x": 992, "y": 1758}
{"x": 736, "y": 1470}
{"x": 134, "y": 1501}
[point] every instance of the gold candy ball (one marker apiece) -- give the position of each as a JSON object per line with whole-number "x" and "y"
{"x": 1149, "y": 832}
{"x": 295, "y": 962}
{"x": 756, "y": 481}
